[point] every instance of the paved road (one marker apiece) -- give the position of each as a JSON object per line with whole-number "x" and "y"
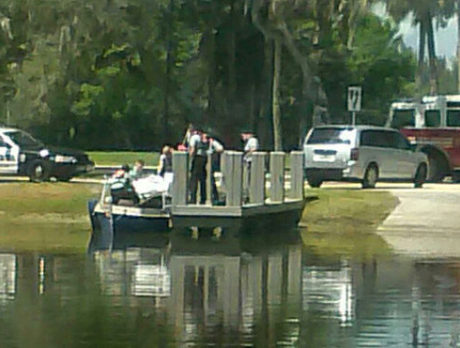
{"x": 425, "y": 223}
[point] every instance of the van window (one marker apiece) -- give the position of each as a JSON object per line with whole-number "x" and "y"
{"x": 332, "y": 135}
{"x": 403, "y": 143}
{"x": 432, "y": 118}
{"x": 376, "y": 138}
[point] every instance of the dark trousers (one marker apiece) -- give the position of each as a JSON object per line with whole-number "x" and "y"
{"x": 198, "y": 174}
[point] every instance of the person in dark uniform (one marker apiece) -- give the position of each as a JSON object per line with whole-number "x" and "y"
{"x": 201, "y": 145}
{"x": 198, "y": 147}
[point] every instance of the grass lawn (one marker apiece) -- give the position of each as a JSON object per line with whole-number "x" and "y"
{"x": 343, "y": 221}
{"x": 102, "y": 158}
{"x": 52, "y": 217}
{"x": 47, "y": 217}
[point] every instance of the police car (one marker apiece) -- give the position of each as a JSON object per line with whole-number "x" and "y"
{"x": 22, "y": 154}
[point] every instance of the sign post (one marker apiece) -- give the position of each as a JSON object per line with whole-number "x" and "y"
{"x": 354, "y": 101}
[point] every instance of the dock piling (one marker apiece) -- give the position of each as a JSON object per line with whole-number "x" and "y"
{"x": 233, "y": 177}
{"x": 277, "y": 176}
{"x": 297, "y": 180}
{"x": 180, "y": 182}
{"x": 257, "y": 178}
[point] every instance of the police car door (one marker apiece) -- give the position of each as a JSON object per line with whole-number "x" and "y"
{"x": 9, "y": 156}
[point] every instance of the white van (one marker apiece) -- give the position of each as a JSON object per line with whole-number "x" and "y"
{"x": 365, "y": 154}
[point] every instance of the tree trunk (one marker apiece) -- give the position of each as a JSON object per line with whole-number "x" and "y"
{"x": 434, "y": 86}
{"x": 311, "y": 91}
{"x": 356, "y": 9}
{"x": 211, "y": 63}
{"x": 267, "y": 84}
{"x": 266, "y": 95}
{"x": 421, "y": 57}
{"x": 232, "y": 55}
{"x": 458, "y": 46}
{"x": 170, "y": 58}
{"x": 276, "y": 95}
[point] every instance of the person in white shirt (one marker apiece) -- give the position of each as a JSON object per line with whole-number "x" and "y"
{"x": 251, "y": 144}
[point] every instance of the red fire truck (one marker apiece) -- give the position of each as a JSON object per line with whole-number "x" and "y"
{"x": 433, "y": 126}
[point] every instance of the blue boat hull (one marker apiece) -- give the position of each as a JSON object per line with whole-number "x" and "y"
{"x": 125, "y": 222}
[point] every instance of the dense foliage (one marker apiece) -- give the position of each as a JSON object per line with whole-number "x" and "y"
{"x": 131, "y": 74}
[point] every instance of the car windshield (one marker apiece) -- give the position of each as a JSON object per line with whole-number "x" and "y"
{"x": 336, "y": 135}
{"x": 24, "y": 139}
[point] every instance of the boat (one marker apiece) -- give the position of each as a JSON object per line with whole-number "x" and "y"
{"x": 144, "y": 213}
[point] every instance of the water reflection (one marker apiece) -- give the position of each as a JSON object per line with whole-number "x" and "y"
{"x": 329, "y": 291}
{"x": 211, "y": 289}
{"x": 172, "y": 290}
{"x": 7, "y": 276}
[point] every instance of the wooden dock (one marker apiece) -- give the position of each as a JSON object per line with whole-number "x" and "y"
{"x": 249, "y": 193}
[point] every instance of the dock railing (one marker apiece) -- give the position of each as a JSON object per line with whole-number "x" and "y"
{"x": 244, "y": 183}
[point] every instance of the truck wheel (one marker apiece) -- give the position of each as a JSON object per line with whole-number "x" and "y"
{"x": 370, "y": 176}
{"x": 437, "y": 166}
{"x": 38, "y": 171}
{"x": 456, "y": 176}
{"x": 420, "y": 176}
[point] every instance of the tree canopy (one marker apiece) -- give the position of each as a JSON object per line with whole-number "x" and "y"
{"x": 131, "y": 74}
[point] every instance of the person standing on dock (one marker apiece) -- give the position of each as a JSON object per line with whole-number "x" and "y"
{"x": 165, "y": 169}
{"x": 251, "y": 144}
{"x": 200, "y": 147}
{"x": 165, "y": 162}
{"x": 215, "y": 148}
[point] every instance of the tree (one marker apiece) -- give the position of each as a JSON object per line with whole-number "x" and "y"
{"x": 424, "y": 12}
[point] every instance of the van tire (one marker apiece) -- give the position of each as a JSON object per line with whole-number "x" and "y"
{"x": 38, "y": 171}
{"x": 315, "y": 182}
{"x": 370, "y": 176}
{"x": 420, "y": 176}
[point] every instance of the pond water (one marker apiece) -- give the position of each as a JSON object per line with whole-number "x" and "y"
{"x": 252, "y": 291}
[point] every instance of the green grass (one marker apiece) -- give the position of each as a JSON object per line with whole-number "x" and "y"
{"x": 47, "y": 217}
{"x": 343, "y": 221}
{"x": 52, "y": 217}
{"x": 121, "y": 157}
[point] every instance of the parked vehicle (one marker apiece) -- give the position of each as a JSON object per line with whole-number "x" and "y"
{"x": 365, "y": 154}
{"x": 433, "y": 126}
{"x": 22, "y": 154}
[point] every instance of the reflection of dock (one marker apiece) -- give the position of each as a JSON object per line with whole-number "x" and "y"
{"x": 7, "y": 276}
{"x": 209, "y": 284}
{"x": 232, "y": 289}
